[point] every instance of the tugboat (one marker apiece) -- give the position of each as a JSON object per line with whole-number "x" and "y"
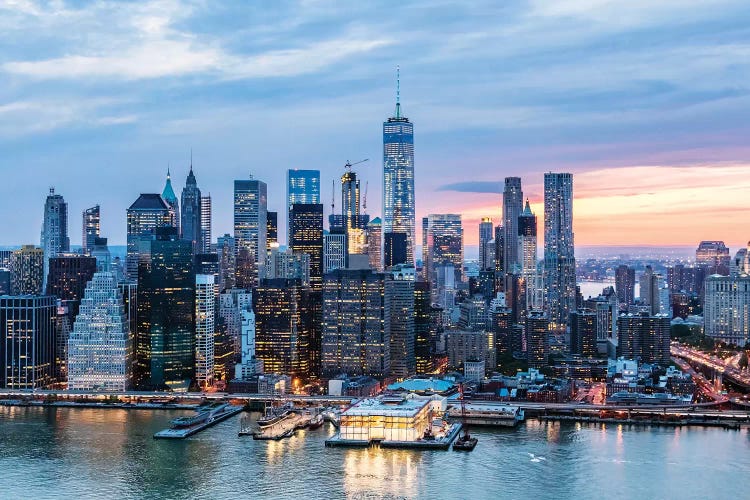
{"x": 464, "y": 442}
{"x": 316, "y": 422}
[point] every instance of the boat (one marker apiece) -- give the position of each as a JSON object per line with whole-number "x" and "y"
{"x": 464, "y": 442}
{"x": 316, "y": 422}
{"x": 203, "y": 414}
{"x": 274, "y": 415}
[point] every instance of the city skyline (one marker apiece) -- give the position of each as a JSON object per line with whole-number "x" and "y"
{"x": 587, "y": 97}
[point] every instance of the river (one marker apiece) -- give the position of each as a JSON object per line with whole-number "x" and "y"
{"x": 100, "y": 453}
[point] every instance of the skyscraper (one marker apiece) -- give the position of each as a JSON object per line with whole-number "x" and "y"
{"x": 206, "y": 237}
{"x": 27, "y": 341}
{"x": 375, "y": 243}
{"x": 272, "y": 229}
{"x": 486, "y": 230}
{"x": 399, "y": 307}
{"x": 625, "y": 284}
{"x": 54, "y": 237}
{"x": 713, "y": 256}
{"x": 205, "y": 328}
{"x": 527, "y": 252}
{"x": 334, "y": 250}
{"x": 91, "y": 227}
{"x": 225, "y": 248}
{"x": 559, "y": 256}
{"x": 250, "y": 223}
{"x": 190, "y": 216}
{"x": 445, "y": 243}
{"x": 306, "y": 236}
{"x": 355, "y": 338}
{"x": 725, "y": 308}
{"x": 394, "y": 249}
{"x": 583, "y": 329}
{"x": 147, "y": 213}
{"x": 398, "y": 176}
{"x": 165, "y": 338}
{"x": 174, "y": 206}
{"x": 537, "y": 339}
{"x": 27, "y": 271}
{"x": 645, "y": 337}
{"x": 100, "y": 347}
{"x": 283, "y": 326}
{"x": 512, "y": 206}
{"x": 303, "y": 187}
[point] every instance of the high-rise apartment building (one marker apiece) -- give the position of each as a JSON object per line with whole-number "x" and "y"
{"x": 148, "y": 212}
{"x": 165, "y": 337}
{"x": 625, "y": 284}
{"x": 512, "y": 206}
{"x": 100, "y": 347}
{"x": 250, "y": 223}
{"x": 583, "y": 332}
{"x": 91, "y": 228}
{"x": 306, "y": 237}
{"x": 27, "y": 271}
{"x": 54, "y": 237}
{"x": 536, "y": 330}
{"x": 355, "y": 337}
{"x": 527, "y": 249}
{"x": 205, "y": 328}
{"x": 559, "y": 256}
{"x": 190, "y": 216}
{"x": 486, "y": 234}
{"x": 27, "y": 341}
{"x": 398, "y": 177}
{"x": 206, "y": 215}
{"x": 644, "y": 337}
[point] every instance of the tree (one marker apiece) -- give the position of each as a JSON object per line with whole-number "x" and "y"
{"x": 743, "y": 360}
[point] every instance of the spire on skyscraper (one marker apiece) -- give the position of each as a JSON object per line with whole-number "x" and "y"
{"x": 398, "y": 91}
{"x": 527, "y": 209}
{"x": 168, "y": 193}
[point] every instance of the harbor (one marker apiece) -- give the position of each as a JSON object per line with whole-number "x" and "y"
{"x": 205, "y": 417}
{"x": 281, "y": 423}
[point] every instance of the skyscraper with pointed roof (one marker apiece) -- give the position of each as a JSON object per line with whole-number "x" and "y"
{"x": 398, "y": 176}
{"x": 171, "y": 199}
{"x": 54, "y": 237}
{"x": 190, "y": 217}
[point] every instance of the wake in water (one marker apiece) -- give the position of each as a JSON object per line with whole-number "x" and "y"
{"x": 535, "y": 458}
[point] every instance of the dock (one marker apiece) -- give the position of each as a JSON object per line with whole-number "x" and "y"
{"x": 281, "y": 429}
{"x": 437, "y": 444}
{"x": 182, "y": 433}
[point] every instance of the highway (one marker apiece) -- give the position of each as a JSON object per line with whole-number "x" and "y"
{"x": 728, "y": 368}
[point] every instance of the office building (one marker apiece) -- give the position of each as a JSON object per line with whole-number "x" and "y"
{"x": 423, "y": 333}
{"x": 399, "y": 303}
{"x": 334, "y": 251}
{"x": 288, "y": 265}
{"x": 527, "y": 249}
{"x": 536, "y": 331}
{"x": 644, "y": 337}
{"x": 68, "y": 276}
{"x": 27, "y": 271}
{"x": 395, "y": 249}
{"x": 713, "y": 256}
{"x": 499, "y": 259}
{"x": 355, "y": 336}
{"x": 512, "y": 206}
{"x": 306, "y": 237}
{"x": 375, "y": 244}
{"x": 54, "y": 237}
{"x": 559, "y": 256}
{"x": 283, "y": 326}
{"x": 173, "y": 204}
{"x": 191, "y": 213}
{"x": 147, "y": 213}
{"x": 625, "y": 284}
{"x": 91, "y": 228}
{"x": 225, "y": 249}
{"x": 205, "y": 328}
{"x": 486, "y": 234}
{"x": 726, "y": 309}
{"x": 165, "y": 337}
{"x": 302, "y": 187}
{"x": 444, "y": 244}
{"x": 398, "y": 177}
{"x": 231, "y": 304}
{"x": 206, "y": 224}
{"x": 272, "y": 230}
{"x": 466, "y": 346}
{"x": 250, "y": 223}
{"x": 100, "y": 346}
{"x": 27, "y": 341}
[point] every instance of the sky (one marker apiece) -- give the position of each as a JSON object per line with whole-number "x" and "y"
{"x": 645, "y": 102}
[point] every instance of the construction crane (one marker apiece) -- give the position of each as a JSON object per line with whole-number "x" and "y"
{"x": 349, "y": 166}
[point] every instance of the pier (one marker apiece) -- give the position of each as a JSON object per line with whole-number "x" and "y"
{"x": 184, "y": 432}
{"x": 441, "y": 443}
{"x": 281, "y": 429}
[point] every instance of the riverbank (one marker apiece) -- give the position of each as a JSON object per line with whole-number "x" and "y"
{"x": 724, "y": 424}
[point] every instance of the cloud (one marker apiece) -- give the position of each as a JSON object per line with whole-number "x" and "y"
{"x": 473, "y": 187}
